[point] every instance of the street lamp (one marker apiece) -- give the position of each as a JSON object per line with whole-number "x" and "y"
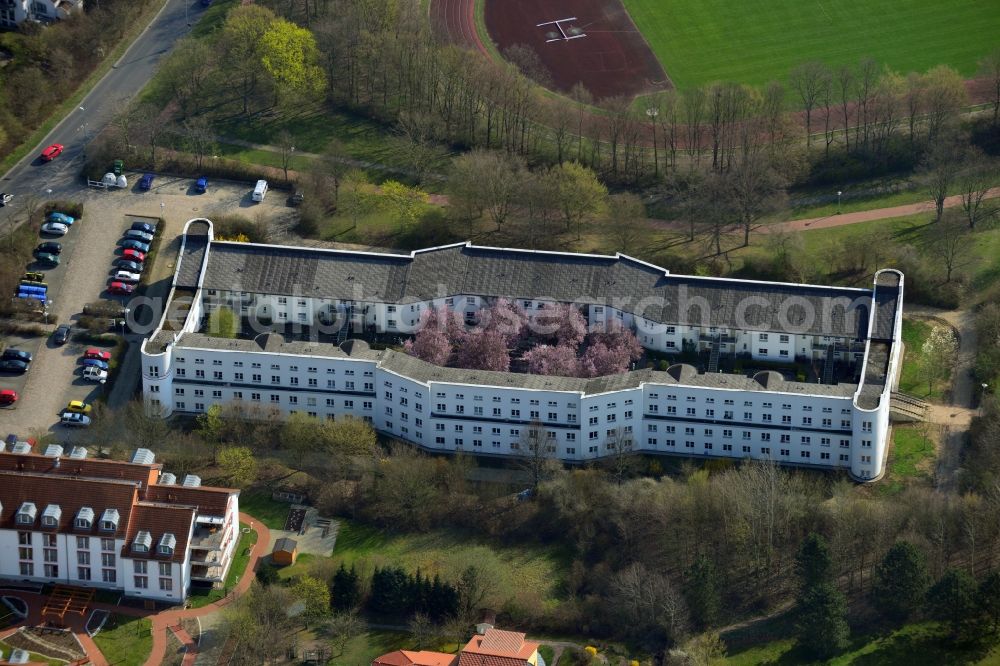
{"x": 982, "y": 398}
{"x": 653, "y": 112}
{"x": 838, "y": 201}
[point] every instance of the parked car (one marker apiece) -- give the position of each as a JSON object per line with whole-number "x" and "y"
{"x": 139, "y": 235}
{"x": 120, "y": 288}
{"x": 129, "y": 265}
{"x": 46, "y": 259}
{"x": 94, "y": 352}
{"x": 61, "y": 218}
{"x": 16, "y": 355}
{"x": 296, "y": 198}
{"x": 11, "y": 365}
{"x": 95, "y": 363}
{"x": 132, "y": 244}
{"x": 201, "y": 185}
{"x": 78, "y": 407}
{"x": 74, "y": 419}
{"x": 54, "y": 229}
{"x": 95, "y": 375}
{"x": 134, "y": 255}
{"x": 8, "y": 396}
{"x": 52, "y": 152}
{"x": 34, "y": 276}
{"x": 50, "y": 247}
{"x": 143, "y": 226}
{"x": 61, "y": 335}
{"x": 127, "y": 277}
{"x": 5, "y": 199}
{"x": 146, "y": 182}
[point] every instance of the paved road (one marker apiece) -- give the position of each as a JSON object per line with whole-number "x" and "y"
{"x": 128, "y": 77}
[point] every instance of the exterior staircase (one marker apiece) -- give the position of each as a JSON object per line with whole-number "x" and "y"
{"x": 905, "y": 408}
{"x": 828, "y": 365}
{"x": 713, "y": 357}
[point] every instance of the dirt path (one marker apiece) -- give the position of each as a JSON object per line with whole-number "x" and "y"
{"x": 867, "y": 215}
{"x": 956, "y": 416}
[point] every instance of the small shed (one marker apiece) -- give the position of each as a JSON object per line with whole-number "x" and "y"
{"x": 285, "y": 552}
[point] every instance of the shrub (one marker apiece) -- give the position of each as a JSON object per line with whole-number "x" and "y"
{"x": 232, "y": 226}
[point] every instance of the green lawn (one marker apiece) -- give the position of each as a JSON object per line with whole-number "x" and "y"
{"x": 851, "y": 205}
{"x": 700, "y": 41}
{"x": 911, "y": 459}
{"x": 125, "y": 641}
{"x": 237, "y": 569}
{"x": 527, "y": 575}
{"x": 915, "y": 333}
{"x": 918, "y": 644}
{"x": 34, "y": 656}
{"x": 258, "y": 503}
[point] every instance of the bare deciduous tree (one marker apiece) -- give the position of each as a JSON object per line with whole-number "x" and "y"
{"x": 808, "y": 80}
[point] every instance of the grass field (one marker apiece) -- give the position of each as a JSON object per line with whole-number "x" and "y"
{"x": 915, "y": 333}
{"x": 911, "y": 460}
{"x": 917, "y": 644}
{"x": 699, "y": 41}
{"x": 528, "y": 574}
{"x": 125, "y": 640}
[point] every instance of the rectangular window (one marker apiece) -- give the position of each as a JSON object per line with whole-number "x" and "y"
{"x": 141, "y": 582}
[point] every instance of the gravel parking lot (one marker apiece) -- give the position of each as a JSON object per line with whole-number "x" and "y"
{"x": 84, "y": 272}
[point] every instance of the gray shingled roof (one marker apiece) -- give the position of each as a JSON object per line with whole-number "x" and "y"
{"x": 190, "y": 260}
{"x": 421, "y": 371}
{"x": 623, "y": 282}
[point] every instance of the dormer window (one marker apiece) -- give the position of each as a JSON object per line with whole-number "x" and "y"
{"x": 85, "y": 518}
{"x": 142, "y": 542}
{"x": 26, "y": 514}
{"x": 167, "y": 543}
{"x": 109, "y": 520}
{"x": 51, "y": 515}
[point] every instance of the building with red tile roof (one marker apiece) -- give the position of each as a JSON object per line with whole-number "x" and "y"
{"x": 410, "y": 658}
{"x": 126, "y": 526}
{"x": 496, "y": 647}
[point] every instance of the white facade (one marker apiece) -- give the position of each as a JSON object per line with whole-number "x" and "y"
{"x": 112, "y": 525}
{"x": 678, "y": 412}
{"x": 13, "y": 12}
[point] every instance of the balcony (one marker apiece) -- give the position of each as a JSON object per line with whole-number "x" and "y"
{"x": 211, "y": 538}
{"x": 207, "y": 574}
{"x": 724, "y": 339}
{"x": 856, "y": 347}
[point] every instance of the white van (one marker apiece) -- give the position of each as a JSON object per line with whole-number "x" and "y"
{"x": 260, "y": 190}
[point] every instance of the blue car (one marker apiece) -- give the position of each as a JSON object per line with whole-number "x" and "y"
{"x": 146, "y": 182}
{"x": 95, "y": 363}
{"x": 61, "y": 218}
{"x": 201, "y": 185}
{"x": 131, "y": 244}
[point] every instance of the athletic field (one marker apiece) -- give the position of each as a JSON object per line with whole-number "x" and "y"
{"x": 755, "y": 41}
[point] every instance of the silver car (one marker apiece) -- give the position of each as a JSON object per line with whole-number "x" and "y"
{"x": 95, "y": 375}
{"x": 126, "y": 276}
{"x": 54, "y": 228}
{"x": 139, "y": 235}
{"x": 74, "y": 419}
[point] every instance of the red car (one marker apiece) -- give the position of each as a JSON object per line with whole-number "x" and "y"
{"x": 52, "y": 152}
{"x": 8, "y": 396}
{"x": 134, "y": 255}
{"x": 120, "y": 288}
{"x": 94, "y": 352}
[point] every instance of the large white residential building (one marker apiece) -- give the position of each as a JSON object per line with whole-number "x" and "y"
{"x": 762, "y": 408}
{"x": 124, "y": 526}
{"x": 13, "y": 12}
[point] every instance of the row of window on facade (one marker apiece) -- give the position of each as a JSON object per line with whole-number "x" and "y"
{"x": 28, "y": 513}
{"x": 109, "y": 561}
